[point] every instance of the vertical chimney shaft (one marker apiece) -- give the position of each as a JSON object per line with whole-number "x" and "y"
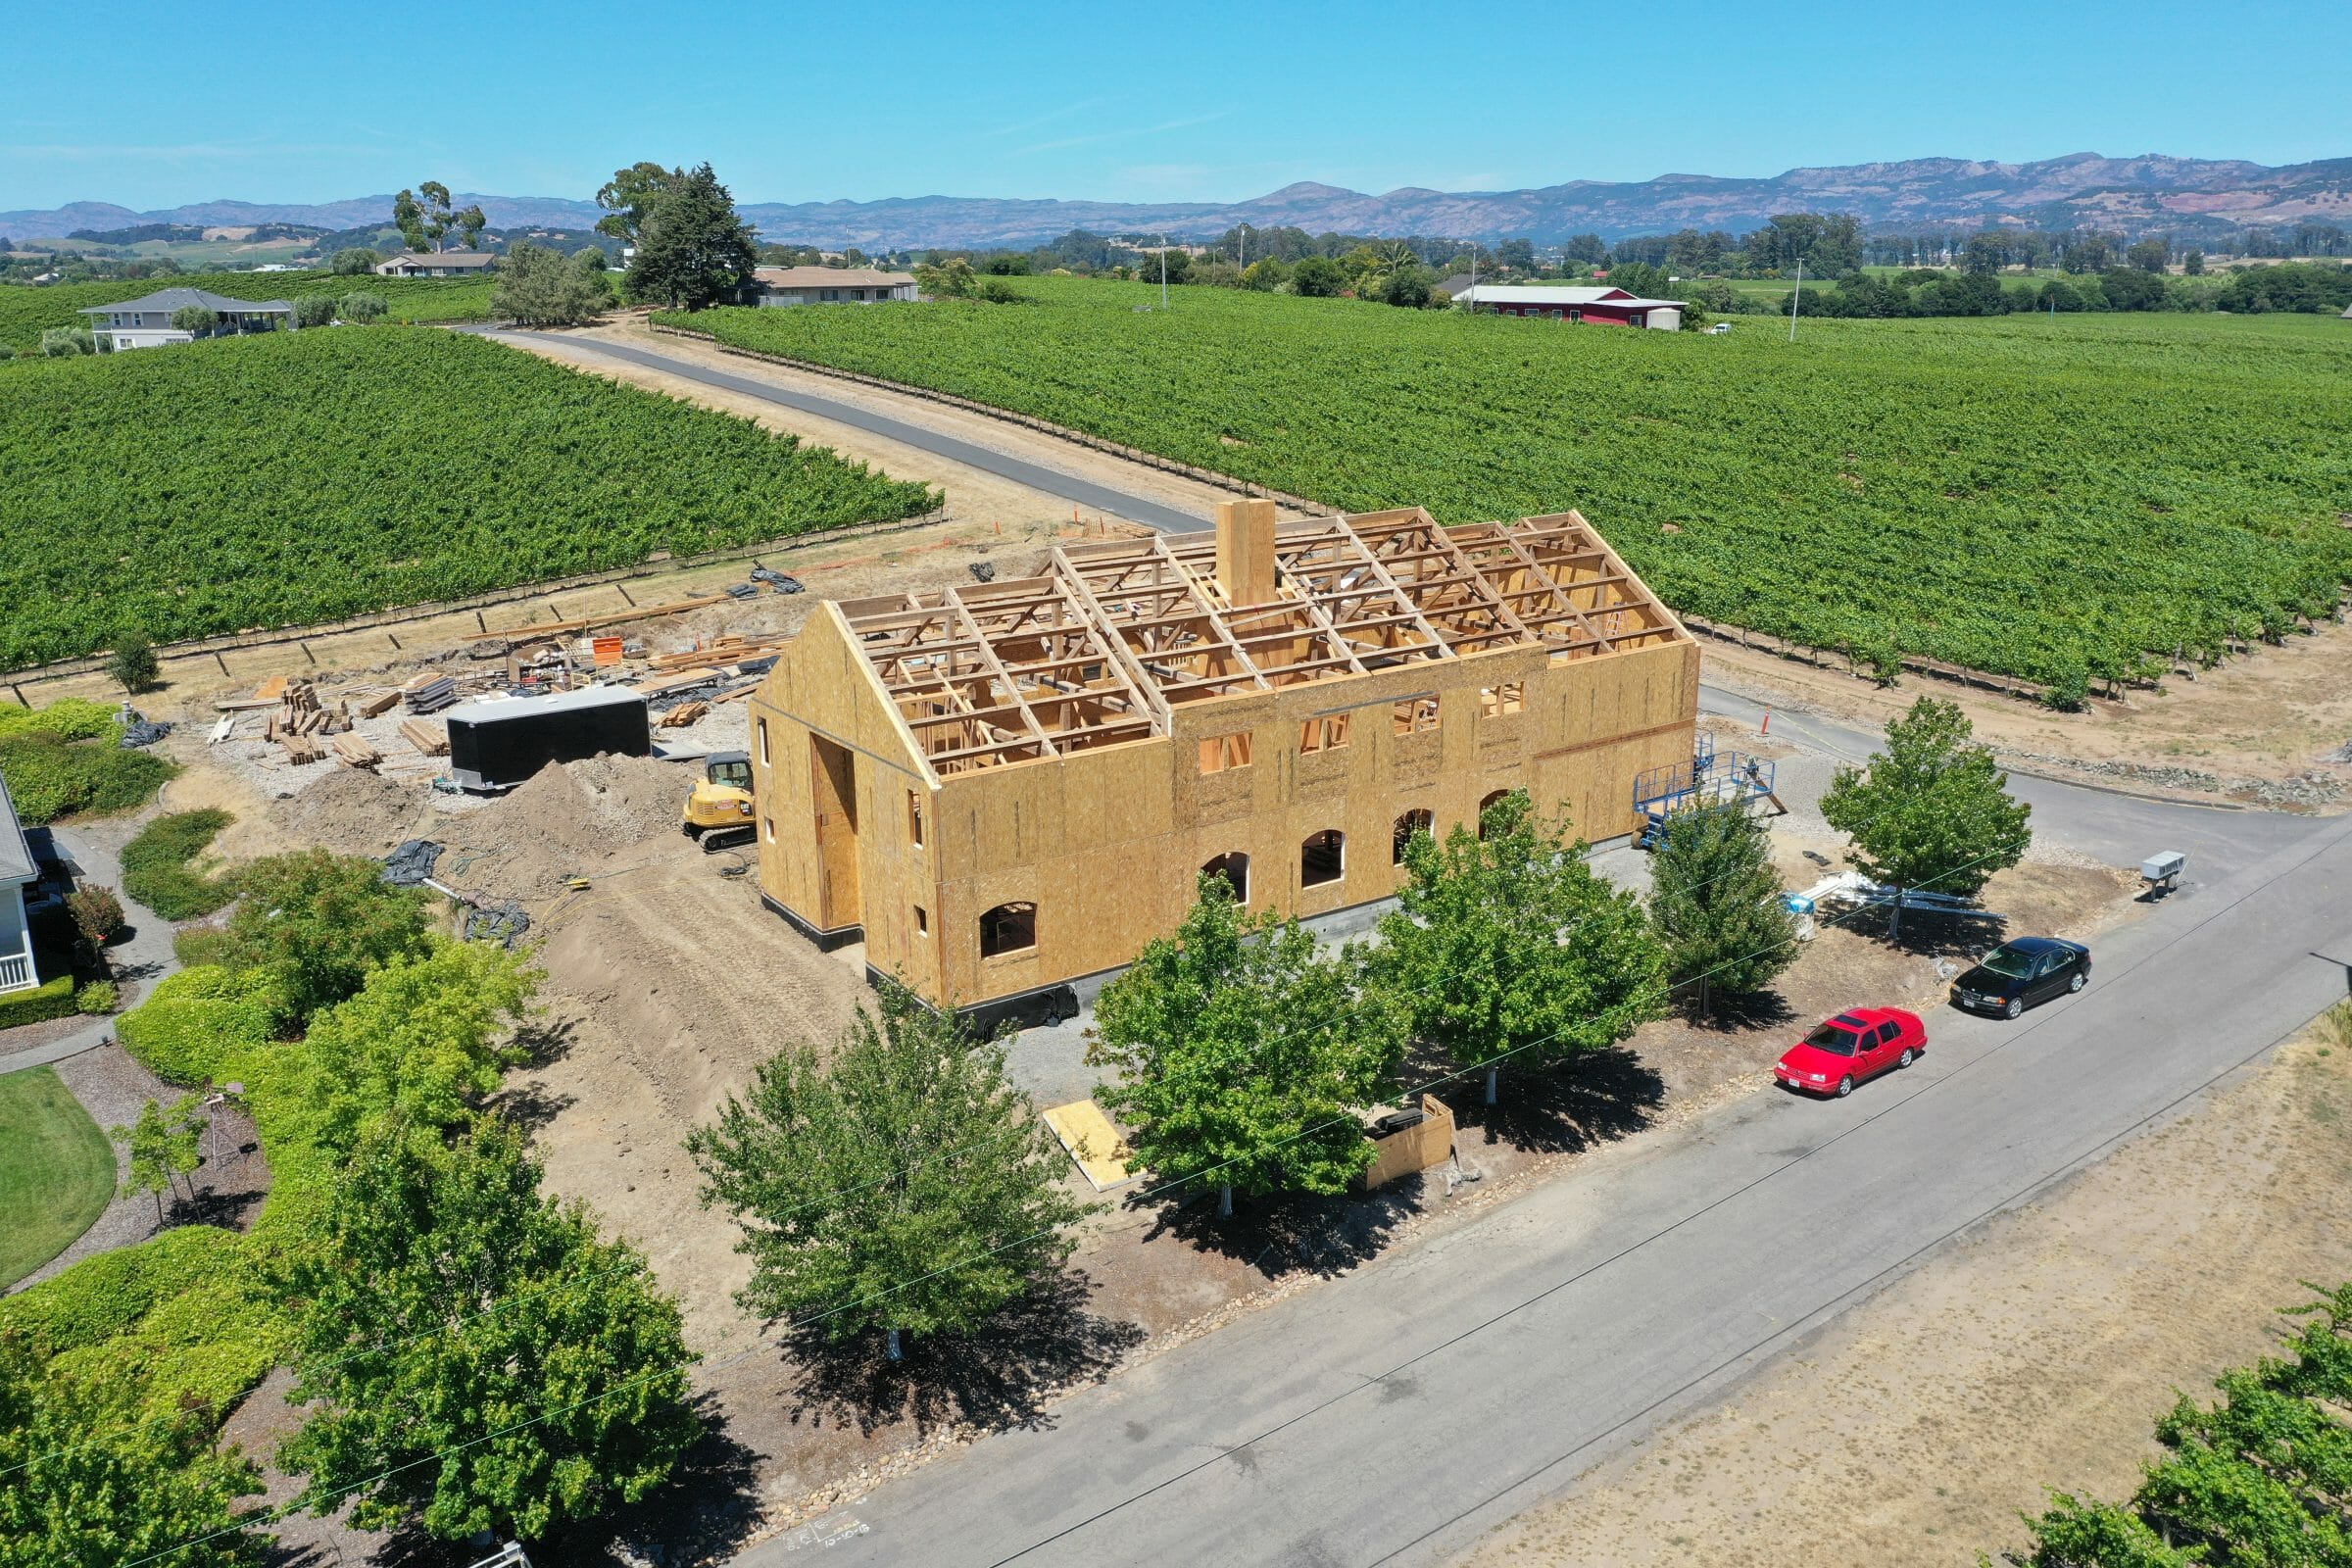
{"x": 1245, "y": 551}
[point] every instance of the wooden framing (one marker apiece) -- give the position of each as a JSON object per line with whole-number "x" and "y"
{"x": 1086, "y": 740}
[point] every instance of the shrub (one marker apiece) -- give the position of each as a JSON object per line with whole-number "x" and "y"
{"x": 50, "y": 777}
{"x": 97, "y": 999}
{"x": 362, "y": 308}
{"x": 315, "y": 310}
{"x": 72, "y": 718}
{"x": 96, "y": 914}
{"x": 2070, "y": 690}
{"x": 53, "y": 998}
{"x": 64, "y": 342}
{"x": 156, "y": 872}
{"x": 200, "y": 1021}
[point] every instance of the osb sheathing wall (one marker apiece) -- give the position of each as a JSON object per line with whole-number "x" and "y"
{"x": 1108, "y": 843}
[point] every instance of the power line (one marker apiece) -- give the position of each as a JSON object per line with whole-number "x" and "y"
{"x": 775, "y": 1337}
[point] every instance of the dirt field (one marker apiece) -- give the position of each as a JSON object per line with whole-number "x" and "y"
{"x": 2037, "y": 1352}
{"x": 2273, "y": 728}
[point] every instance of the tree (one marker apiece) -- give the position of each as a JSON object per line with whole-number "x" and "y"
{"x": 1264, "y": 274}
{"x": 133, "y": 665}
{"x": 197, "y": 320}
{"x": 2192, "y": 262}
{"x": 95, "y": 912}
{"x": 426, "y": 224}
{"x": 355, "y": 259}
{"x": 93, "y": 1479}
{"x": 538, "y": 287}
{"x": 1245, "y": 1053}
{"x": 629, "y": 195}
{"x": 1408, "y": 286}
{"x": 164, "y": 1148}
{"x": 693, "y": 250}
{"x": 362, "y": 308}
{"x": 481, "y": 1358}
{"x": 1318, "y": 278}
{"x": 905, "y": 1185}
{"x": 1987, "y": 251}
{"x": 2257, "y": 1477}
{"x": 315, "y": 310}
{"x": 1717, "y": 905}
{"x": 2148, "y": 255}
{"x": 63, "y": 342}
{"x": 1518, "y": 255}
{"x": 1587, "y": 249}
{"x": 425, "y": 1040}
{"x": 1507, "y": 947}
{"x": 950, "y": 279}
{"x": 1931, "y": 811}
{"x": 319, "y": 925}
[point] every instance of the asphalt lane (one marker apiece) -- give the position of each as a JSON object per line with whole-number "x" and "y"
{"x": 1391, "y": 1415}
{"x": 1052, "y": 482}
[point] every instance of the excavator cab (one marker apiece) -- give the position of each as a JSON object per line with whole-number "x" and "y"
{"x": 719, "y": 809}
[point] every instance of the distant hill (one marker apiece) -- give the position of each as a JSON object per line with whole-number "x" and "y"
{"x": 2148, "y": 194}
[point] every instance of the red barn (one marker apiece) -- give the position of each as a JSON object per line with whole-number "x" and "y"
{"x": 1614, "y": 306}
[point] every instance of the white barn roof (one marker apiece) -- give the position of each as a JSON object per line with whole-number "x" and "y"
{"x": 1506, "y": 294}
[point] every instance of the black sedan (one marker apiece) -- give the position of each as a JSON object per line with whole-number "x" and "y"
{"x": 2016, "y": 975}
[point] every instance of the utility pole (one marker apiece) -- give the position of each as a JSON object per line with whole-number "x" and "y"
{"x": 1164, "y": 271}
{"x": 1797, "y": 298}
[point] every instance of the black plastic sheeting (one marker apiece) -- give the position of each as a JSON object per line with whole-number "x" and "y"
{"x": 408, "y": 866}
{"x": 145, "y": 731}
{"x": 497, "y": 922}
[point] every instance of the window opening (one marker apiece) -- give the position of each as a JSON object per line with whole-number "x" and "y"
{"x": 1221, "y": 752}
{"x": 1233, "y": 866}
{"x": 1325, "y": 734}
{"x": 1007, "y": 928}
{"x": 1508, "y": 698}
{"x": 1416, "y": 715}
{"x": 1322, "y": 859}
{"x": 1410, "y": 823}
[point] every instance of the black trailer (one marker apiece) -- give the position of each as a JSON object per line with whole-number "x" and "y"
{"x": 496, "y": 743}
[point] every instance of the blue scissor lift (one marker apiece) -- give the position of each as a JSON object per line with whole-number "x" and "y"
{"x": 1710, "y": 781}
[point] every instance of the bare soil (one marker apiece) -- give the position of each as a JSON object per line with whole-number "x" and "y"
{"x": 2037, "y": 1352}
{"x": 2270, "y": 727}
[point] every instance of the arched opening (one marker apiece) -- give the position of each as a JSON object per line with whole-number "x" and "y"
{"x": 1412, "y": 822}
{"x": 1233, "y": 866}
{"x": 1323, "y": 858}
{"x": 1493, "y": 800}
{"x": 1007, "y": 928}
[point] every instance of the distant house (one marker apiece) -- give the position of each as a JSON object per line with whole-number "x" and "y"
{"x": 147, "y": 323}
{"x": 16, "y": 869}
{"x": 1614, "y": 307}
{"x": 438, "y": 263}
{"x": 828, "y": 285}
{"x": 1459, "y": 284}
{"x": 2347, "y": 314}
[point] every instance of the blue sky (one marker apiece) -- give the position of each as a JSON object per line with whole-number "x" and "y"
{"x": 154, "y": 103}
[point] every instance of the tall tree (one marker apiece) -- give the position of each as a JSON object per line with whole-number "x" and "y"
{"x": 479, "y": 1357}
{"x": 92, "y": 1479}
{"x": 904, "y": 1186}
{"x": 692, "y": 250}
{"x": 2259, "y": 1478}
{"x": 426, "y": 216}
{"x": 319, "y": 923}
{"x": 1506, "y": 946}
{"x": 1245, "y": 1054}
{"x": 629, "y": 195}
{"x": 1717, "y": 903}
{"x": 538, "y": 287}
{"x": 1932, "y": 811}
{"x": 133, "y": 665}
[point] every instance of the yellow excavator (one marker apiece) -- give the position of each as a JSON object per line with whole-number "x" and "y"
{"x": 719, "y": 809}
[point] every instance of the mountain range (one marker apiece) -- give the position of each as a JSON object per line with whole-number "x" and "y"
{"x": 2151, "y": 193}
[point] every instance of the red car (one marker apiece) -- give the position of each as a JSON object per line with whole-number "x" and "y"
{"x": 1858, "y": 1044}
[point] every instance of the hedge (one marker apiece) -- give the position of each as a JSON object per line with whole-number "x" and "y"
{"x": 197, "y": 1022}
{"x": 51, "y": 999}
{"x": 51, "y": 775}
{"x": 156, "y": 872}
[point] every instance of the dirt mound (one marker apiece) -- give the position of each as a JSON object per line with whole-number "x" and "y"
{"x": 350, "y": 812}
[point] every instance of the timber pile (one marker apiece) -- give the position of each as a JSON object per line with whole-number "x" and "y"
{"x": 380, "y": 703}
{"x": 302, "y": 748}
{"x": 354, "y": 751}
{"x": 683, "y": 714}
{"x": 431, "y": 739}
{"x": 429, "y": 693}
{"x": 300, "y": 714}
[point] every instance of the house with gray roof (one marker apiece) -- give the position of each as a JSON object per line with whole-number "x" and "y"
{"x": 438, "y": 263}
{"x": 147, "y": 323}
{"x": 17, "y": 873}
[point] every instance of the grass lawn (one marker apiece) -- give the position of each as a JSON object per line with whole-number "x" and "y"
{"x": 57, "y": 1171}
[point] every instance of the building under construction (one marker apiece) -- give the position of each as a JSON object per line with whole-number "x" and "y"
{"x": 1009, "y": 786}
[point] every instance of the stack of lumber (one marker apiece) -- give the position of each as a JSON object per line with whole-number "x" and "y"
{"x": 431, "y": 739}
{"x": 300, "y": 719}
{"x": 429, "y": 693}
{"x": 302, "y": 748}
{"x": 380, "y": 703}
{"x": 683, "y": 714}
{"x": 354, "y": 751}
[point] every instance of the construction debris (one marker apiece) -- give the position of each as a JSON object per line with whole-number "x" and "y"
{"x": 411, "y": 864}
{"x": 429, "y": 693}
{"x": 144, "y": 731}
{"x": 433, "y": 740}
{"x": 683, "y": 714}
{"x": 497, "y": 922}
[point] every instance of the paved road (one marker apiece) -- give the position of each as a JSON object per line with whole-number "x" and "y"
{"x": 1390, "y": 1416}
{"x": 144, "y": 956}
{"x": 1054, "y": 482}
